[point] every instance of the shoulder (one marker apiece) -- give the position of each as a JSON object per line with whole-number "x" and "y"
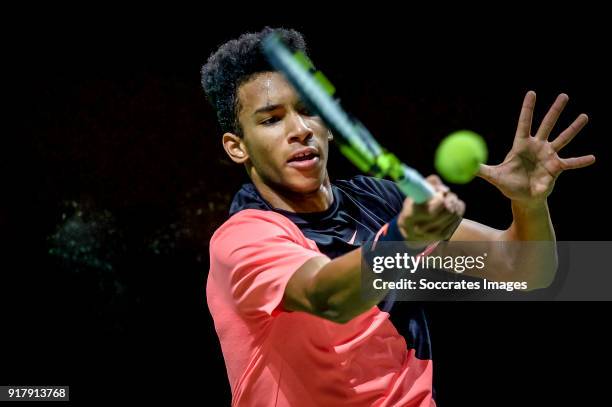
{"x": 255, "y": 223}
{"x": 254, "y": 227}
{"x": 252, "y": 257}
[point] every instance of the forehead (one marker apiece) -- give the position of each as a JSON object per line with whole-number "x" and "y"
{"x": 268, "y": 88}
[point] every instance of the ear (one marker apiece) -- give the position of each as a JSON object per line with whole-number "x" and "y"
{"x": 235, "y": 148}
{"x": 330, "y": 136}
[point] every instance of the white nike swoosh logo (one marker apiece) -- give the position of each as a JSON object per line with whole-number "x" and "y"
{"x": 353, "y": 238}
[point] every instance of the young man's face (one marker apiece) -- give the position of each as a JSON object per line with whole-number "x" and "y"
{"x": 286, "y": 144}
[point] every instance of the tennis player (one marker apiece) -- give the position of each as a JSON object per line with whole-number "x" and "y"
{"x": 284, "y": 281}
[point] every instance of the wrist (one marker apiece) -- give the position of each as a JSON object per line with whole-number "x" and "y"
{"x": 395, "y": 232}
{"x": 530, "y": 206}
{"x": 411, "y": 244}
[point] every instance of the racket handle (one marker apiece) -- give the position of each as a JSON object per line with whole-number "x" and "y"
{"x": 412, "y": 184}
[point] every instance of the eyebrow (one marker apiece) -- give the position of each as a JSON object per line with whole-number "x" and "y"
{"x": 267, "y": 108}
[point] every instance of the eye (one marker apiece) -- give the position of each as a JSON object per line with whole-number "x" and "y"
{"x": 304, "y": 110}
{"x": 270, "y": 121}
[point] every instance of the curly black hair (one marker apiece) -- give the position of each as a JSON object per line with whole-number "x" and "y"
{"x": 233, "y": 64}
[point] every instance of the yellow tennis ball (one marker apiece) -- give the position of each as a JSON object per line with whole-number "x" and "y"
{"x": 459, "y": 155}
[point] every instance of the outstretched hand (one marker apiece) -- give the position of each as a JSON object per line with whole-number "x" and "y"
{"x": 530, "y": 169}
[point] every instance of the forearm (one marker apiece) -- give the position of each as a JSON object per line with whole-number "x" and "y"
{"x": 534, "y": 255}
{"x": 335, "y": 289}
{"x": 510, "y": 257}
{"x": 530, "y": 222}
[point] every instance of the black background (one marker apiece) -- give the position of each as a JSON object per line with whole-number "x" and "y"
{"x": 116, "y": 122}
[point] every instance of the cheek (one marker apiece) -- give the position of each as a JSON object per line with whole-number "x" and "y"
{"x": 266, "y": 150}
{"x": 272, "y": 147}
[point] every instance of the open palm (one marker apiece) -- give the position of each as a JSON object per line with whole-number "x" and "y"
{"x": 529, "y": 171}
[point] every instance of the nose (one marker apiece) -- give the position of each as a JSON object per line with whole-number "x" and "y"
{"x": 299, "y": 130}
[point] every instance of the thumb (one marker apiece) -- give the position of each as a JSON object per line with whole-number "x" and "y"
{"x": 487, "y": 172}
{"x": 437, "y": 183}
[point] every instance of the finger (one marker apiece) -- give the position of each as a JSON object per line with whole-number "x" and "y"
{"x": 523, "y": 130}
{"x": 551, "y": 117}
{"x": 433, "y": 207}
{"x": 454, "y": 220}
{"x": 451, "y": 202}
{"x": 453, "y": 207}
{"x": 577, "y": 162}
{"x": 435, "y": 225}
{"x": 568, "y": 134}
{"x": 437, "y": 183}
{"x": 435, "y": 233}
{"x": 434, "y": 180}
{"x": 441, "y": 188}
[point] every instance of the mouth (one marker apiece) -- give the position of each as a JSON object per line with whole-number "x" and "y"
{"x": 305, "y": 158}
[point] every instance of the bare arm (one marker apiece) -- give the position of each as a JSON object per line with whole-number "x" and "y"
{"x": 527, "y": 177}
{"x": 332, "y": 289}
{"x": 329, "y": 289}
{"x": 534, "y": 262}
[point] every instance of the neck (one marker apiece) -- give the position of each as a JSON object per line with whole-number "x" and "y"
{"x": 315, "y": 201}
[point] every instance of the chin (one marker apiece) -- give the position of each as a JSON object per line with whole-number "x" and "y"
{"x": 306, "y": 184}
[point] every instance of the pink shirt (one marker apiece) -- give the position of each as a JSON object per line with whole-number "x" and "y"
{"x": 279, "y": 358}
